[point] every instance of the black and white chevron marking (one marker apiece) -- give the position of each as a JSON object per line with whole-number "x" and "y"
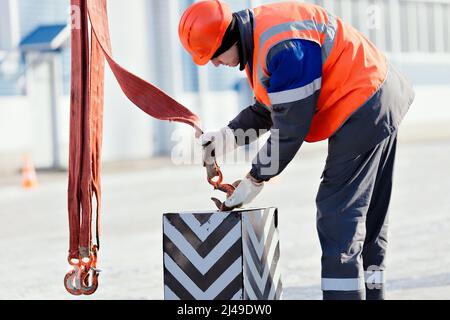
{"x": 225, "y": 256}
{"x": 202, "y": 256}
{"x": 261, "y": 248}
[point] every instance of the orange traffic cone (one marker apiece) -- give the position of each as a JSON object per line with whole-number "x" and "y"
{"x": 29, "y": 179}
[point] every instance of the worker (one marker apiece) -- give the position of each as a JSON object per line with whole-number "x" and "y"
{"x": 314, "y": 77}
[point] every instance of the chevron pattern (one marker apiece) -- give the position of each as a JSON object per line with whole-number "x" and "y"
{"x": 202, "y": 256}
{"x": 206, "y": 257}
{"x": 261, "y": 248}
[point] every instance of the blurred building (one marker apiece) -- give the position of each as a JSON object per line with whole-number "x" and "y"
{"x": 415, "y": 34}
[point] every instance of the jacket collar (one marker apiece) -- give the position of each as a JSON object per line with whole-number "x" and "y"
{"x": 244, "y": 19}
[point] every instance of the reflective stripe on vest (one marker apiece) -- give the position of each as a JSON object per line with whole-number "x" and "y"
{"x": 325, "y": 32}
{"x": 353, "y": 69}
{"x": 295, "y": 94}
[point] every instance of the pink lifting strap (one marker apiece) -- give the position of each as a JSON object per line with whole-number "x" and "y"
{"x": 86, "y": 117}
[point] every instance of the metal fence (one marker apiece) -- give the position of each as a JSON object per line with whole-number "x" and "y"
{"x": 398, "y": 26}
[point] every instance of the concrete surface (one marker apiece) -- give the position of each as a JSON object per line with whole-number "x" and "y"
{"x": 34, "y": 228}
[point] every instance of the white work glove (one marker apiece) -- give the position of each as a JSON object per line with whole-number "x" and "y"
{"x": 247, "y": 190}
{"x": 216, "y": 144}
{"x": 221, "y": 142}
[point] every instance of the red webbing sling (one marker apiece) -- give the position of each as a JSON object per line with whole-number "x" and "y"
{"x": 86, "y": 126}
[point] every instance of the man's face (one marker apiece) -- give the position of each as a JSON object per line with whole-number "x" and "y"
{"x": 229, "y": 58}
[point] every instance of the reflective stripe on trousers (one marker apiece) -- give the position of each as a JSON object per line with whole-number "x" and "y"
{"x": 353, "y": 284}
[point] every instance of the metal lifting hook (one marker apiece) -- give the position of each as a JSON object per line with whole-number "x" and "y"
{"x": 224, "y": 187}
{"x": 89, "y": 282}
{"x": 83, "y": 278}
{"x": 72, "y": 281}
{"x": 213, "y": 172}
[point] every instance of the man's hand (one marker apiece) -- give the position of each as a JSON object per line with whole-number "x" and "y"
{"x": 216, "y": 144}
{"x": 246, "y": 192}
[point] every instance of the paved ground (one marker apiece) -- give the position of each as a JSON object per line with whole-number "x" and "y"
{"x": 34, "y": 229}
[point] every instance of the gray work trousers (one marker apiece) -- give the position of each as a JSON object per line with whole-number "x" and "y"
{"x": 352, "y": 220}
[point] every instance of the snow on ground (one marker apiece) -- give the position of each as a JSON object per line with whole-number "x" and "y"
{"x": 34, "y": 228}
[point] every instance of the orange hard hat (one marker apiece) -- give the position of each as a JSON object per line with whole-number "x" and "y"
{"x": 202, "y": 28}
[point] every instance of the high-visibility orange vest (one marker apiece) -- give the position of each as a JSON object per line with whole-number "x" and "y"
{"x": 353, "y": 68}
